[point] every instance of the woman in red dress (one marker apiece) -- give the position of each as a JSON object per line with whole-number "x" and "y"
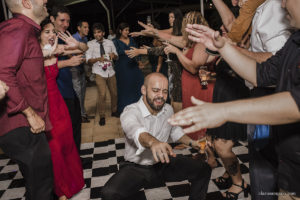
{"x": 67, "y": 168}
{"x": 192, "y": 57}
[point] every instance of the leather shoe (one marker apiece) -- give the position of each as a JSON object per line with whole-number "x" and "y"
{"x": 102, "y": 121}
{"x": 85, "y": 120}
{"x": 115, "y": 114}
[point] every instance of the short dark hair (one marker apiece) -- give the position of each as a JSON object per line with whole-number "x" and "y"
{"x": 45, "y": 22}
{"x": 80, "y": 22}
{"x": 121, "y": 27}
{"x": 59, "y": 9}
{"x": 98, "y": 26}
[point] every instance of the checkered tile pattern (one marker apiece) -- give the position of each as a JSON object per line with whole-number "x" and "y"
{"x": 105, "y": 157}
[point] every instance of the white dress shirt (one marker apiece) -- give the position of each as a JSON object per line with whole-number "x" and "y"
{"x": 270, "y": 28}
{"x": 137, "y": 119}
{"x": 94, "y": 52}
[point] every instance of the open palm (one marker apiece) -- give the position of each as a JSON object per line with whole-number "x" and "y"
{"x": 71, "y": 43}
{"x": 207, "y": 36}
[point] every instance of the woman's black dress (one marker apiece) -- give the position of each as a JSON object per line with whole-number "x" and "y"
{"x": 229, "y": 87}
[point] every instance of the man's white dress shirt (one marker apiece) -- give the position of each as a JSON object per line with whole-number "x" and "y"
{"x": 270, "y": 28}
{"x": 137, "y": 119}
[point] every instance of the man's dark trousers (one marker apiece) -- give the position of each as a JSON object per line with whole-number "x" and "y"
{"x": 31, "y": 152}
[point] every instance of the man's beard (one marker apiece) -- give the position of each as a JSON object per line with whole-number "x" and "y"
{"x": 151, "y": 103}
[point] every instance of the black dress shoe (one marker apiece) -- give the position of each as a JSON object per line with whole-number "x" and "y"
{"x": 85, "y": 120}
{"x": 115, "y": 114}
{"x": 102, "y": 121}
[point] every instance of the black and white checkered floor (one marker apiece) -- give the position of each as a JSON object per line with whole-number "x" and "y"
{"x": 105, "y": 158}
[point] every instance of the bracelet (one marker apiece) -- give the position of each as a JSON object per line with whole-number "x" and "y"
{"x": 213, "y": 53}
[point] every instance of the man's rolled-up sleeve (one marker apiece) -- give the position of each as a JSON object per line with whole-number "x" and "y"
{"x": 176, "y": 133}
{"x": 267, "y": 73}
{"x": 132, "y": 127}
{"x": 12, "y": 42}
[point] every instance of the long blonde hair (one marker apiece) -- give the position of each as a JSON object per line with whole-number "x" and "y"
{"x": 193, "y": 17}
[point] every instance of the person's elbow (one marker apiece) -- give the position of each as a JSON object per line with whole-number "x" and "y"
{"x": 228, "y": 23}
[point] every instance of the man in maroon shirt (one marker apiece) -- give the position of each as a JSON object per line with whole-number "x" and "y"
{"x": 24, "y": 111}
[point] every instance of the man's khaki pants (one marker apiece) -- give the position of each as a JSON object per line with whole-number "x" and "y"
{"x": 111, "y": 83}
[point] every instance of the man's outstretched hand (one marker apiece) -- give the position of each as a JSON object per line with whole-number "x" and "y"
{"x": 161, "y": 151}
{"x": 202, "y": 115}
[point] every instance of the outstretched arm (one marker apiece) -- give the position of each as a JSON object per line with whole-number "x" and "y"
{"x": 160, "y": 150}
{"x": 241, "y": 64}
{"x": 274, "y": 109}
{"x": 137, "y": 133}
{"x": 161, "y": 34}
{"x": 71, "y": 42}
{"x": 133, "y": 52}
{"x": 225, "y": 13}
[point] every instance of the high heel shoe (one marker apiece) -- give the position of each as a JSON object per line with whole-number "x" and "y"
{"x": 235, "y": 196}
{"x": 222, "y": 182}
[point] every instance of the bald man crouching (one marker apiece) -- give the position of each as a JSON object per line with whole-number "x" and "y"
{"x": 148, "y": 157}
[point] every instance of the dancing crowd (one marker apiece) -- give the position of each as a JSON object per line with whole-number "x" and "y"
{"x": 238, "y": 83}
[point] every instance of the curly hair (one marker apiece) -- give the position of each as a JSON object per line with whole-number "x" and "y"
{"x": 193, "y": 17}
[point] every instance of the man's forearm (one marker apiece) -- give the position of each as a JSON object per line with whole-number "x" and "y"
{"x": 63, "y": 63}
{"x": 93, "y": 61}
{"x": 146, "y": 140}
{"x": 185, "y": 140}
{"x": 274, "y": 109}
{"x": 240, "y": 63}
{"x": 70, "y": 52}
{"x": 257, "y": 56}
{"x": 28, "y": 112}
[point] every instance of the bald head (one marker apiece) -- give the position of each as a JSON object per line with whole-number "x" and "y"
{"x": 155, "y": 92}
{"x": 33, "y": 9}
{"x": 13, "y": 5}
{"x": 153, "y": 77}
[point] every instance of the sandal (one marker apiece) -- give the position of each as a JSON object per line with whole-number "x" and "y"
{"x": 235, "y": 196}
{"x": 223, "y": 183}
